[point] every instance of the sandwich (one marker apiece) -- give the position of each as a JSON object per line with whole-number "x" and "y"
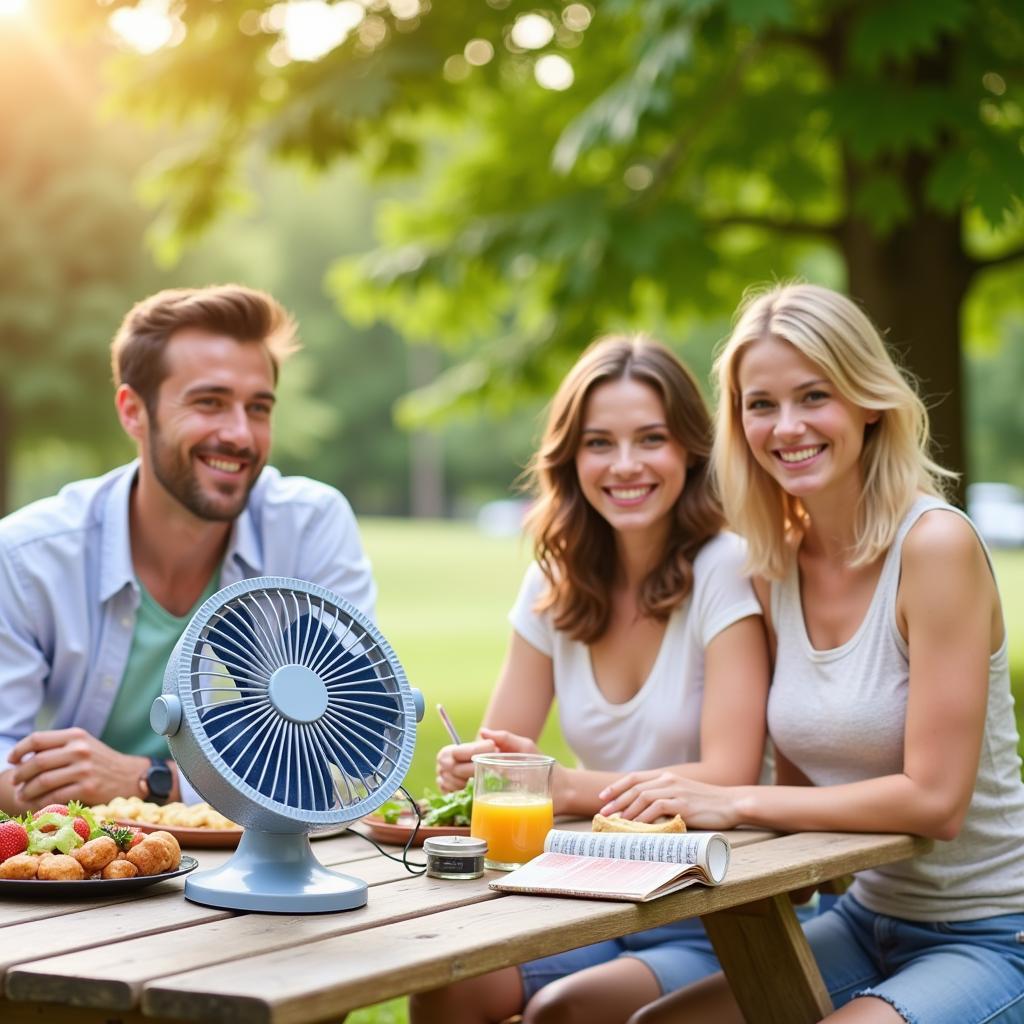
{"x": 617, "y": 823}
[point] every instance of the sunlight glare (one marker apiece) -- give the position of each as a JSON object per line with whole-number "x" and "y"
{"x": 532, "y": 31}
{"x": 145, "y": 28}
{"x": 12, "y": 8}
{"x": 310, "y": 29}
{"x": 553, "y": 72}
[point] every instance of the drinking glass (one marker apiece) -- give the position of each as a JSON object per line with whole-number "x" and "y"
{"x": 512, "y": 806}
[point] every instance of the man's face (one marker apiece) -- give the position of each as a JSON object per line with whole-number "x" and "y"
{"x": 209, "y": 433}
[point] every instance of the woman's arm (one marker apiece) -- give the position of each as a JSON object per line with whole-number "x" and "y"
{"x": 948, "y": 606}
{"x": 732, "y": 725}
{"x": 519, "y": 705}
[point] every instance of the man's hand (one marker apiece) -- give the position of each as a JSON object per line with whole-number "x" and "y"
{"x": 69, "y": 764}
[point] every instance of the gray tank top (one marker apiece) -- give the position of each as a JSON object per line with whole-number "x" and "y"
{"x": 838, "y": 715}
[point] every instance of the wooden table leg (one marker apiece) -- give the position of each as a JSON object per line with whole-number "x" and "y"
{"x": 770, "y": 967}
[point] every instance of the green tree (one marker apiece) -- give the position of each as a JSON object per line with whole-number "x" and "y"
{"x": 70, "y": 259}
{"x": 702, "y": 145}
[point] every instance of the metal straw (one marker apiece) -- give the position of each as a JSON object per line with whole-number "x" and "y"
{"x": 448, "y": 724}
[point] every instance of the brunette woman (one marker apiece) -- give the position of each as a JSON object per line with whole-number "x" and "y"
{"x": 638, "y": 618}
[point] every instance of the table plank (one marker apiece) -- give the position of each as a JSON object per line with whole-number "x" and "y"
{"x": 42, "y": 1013}
{"x": 184, "y": 935}
{"x": 324, "y": 978}
{"x": 99, "y": 921}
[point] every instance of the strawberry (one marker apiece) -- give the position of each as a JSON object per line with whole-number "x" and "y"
{"x": 13, "y": 838}
{"x": 124, "y": 835}
{"x": 82, "y": 828}
{"x": 51, "y": 809}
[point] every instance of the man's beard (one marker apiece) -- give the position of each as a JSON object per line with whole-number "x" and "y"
{"x": 178, "y": 478}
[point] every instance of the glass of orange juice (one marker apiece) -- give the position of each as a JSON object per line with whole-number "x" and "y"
{"x": 512, "y": 806}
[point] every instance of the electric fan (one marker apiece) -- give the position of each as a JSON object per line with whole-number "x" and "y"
{"x": 288, "y": 712}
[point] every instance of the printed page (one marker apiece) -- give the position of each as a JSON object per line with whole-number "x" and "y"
{"x": 708, "y": 850}
{"x": 602, "y": 877}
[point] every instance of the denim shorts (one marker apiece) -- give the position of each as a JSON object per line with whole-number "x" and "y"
{"x": 930, "y": 972}
{"x": 677, "y": 954}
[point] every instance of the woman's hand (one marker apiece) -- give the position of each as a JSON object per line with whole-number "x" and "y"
{"x": 454, "y": 762}
{"x": 647, "y": 796}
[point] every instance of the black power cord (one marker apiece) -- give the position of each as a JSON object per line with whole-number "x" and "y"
{"x": 404, "y": 859}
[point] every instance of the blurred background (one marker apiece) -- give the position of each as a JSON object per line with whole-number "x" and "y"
{"x": 454, "y": 198}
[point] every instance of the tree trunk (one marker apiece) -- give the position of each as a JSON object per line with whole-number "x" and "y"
{"x": 426, "y": 447}
{"x": 912, "y": 281}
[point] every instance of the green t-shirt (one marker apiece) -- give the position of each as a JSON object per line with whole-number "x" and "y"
{"x": 156, "y": 632}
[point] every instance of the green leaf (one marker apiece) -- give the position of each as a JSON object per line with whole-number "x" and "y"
{"x": 882, "y": 201}
{"x": 762, "y": 13}
{"x": 450, "y": 808}
{"x": 997, "y": 171}
{"x": 948, "y": 183}
{"x": 615, "y": 116}
{"x": 877, "y": 119}
{"x": 900, "y": 29}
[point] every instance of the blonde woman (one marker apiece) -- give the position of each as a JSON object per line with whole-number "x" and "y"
{"x": 890, "y": 707}
{"x": 638, "y": 618}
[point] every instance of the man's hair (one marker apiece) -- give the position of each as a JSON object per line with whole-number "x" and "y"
{"x": 245, "y": 314}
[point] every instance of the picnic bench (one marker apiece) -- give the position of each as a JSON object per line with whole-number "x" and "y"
{"x": 151, "y": 956}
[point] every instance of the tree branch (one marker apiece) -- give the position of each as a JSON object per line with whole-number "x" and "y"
{"x": 830, "y": 232}
{"x": 995, "y": 261}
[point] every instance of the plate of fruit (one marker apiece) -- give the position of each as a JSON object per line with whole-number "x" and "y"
{"x": 64, "y": 849}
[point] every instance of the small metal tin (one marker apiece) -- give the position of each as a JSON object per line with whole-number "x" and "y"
{"x": 455, "y": 857}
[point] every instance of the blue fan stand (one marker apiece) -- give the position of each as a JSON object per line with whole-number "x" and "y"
{"x": 275, "y": 873}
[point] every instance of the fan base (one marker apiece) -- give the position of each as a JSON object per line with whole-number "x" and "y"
{"x": 275, "y": 874}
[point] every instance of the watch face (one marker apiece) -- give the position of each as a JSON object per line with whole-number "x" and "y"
{"x": 159, "y": 780}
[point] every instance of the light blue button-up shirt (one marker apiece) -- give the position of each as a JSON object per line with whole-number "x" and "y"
{"x": 68, "y": 592}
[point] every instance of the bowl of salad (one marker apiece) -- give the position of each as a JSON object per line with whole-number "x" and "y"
{"x": 441, "y": 814}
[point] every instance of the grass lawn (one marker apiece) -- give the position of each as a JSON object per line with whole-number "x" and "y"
{"x": 444, "y": 594}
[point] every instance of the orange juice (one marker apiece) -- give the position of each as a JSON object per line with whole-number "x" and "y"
{"x": 515, "y": 826}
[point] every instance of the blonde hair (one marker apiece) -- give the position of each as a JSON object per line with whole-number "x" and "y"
{"x": 573, "y": 544}
{"x": 833, "y": 332}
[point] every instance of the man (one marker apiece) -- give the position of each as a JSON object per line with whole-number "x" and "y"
{"x": 98, "y": 583}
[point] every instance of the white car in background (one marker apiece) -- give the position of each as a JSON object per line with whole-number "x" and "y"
{"x": 998, "y": 512}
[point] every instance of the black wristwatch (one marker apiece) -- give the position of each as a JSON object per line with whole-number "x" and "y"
{"x": 158, "y": 781}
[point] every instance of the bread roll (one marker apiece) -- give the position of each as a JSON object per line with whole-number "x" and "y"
{"x": 619, "y": 824}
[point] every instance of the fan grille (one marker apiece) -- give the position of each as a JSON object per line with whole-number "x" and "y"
{"x": 300, "y": 701}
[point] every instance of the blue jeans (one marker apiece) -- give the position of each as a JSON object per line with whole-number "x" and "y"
{"x": 677, "y": 954}
{"x": 955, "y": 972}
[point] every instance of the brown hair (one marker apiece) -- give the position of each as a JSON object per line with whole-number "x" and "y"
{"x": 574, "y": 546}
{"x": 245, "y": 314}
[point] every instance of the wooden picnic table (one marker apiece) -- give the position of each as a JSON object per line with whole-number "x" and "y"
{"x": 152, "y": 956}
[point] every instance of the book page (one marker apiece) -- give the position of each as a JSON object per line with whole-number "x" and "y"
{"x": 708, "y": 850}
{"x": 565, "y": 874}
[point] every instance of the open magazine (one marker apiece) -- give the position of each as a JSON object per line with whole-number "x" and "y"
{"x": 634, "y": 866}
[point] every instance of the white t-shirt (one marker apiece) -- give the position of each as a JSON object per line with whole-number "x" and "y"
{"x": 660, "y": 724}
